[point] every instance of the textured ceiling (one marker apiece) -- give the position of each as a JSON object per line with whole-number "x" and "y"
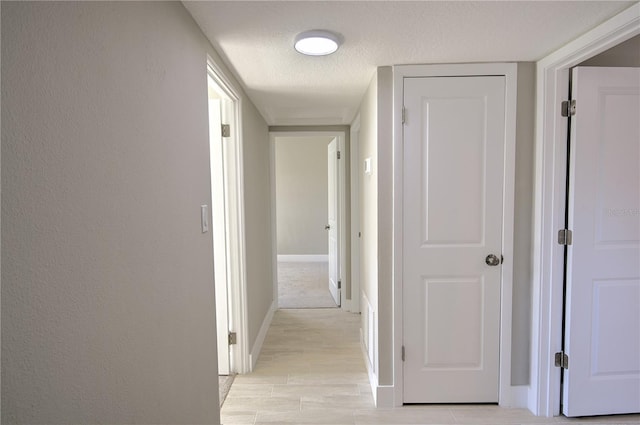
{"x": 256, "y": 41}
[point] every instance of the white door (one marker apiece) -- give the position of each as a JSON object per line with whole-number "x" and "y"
{"x": 332, "y": 221}
{"x": 218, "y": 228}
{"x": 454, "y": 141}
{"x": 602, "y": 334}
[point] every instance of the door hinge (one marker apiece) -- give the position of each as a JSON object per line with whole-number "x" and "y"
{"x": 565, "y": 237}
{"x": 402, "y": 353}
{"x": 339, "y": 284}
{"x": 233, "y": 338}
{"x": 403, "y": 114}
{"x": 226, "y": 130}
{"x": 568, "y": 108}
{"x": 338, "y": 154}
{"x": 562, "y": 360}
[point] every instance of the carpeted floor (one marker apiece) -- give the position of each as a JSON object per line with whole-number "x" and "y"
{"x": 304, "y": 285}
{"x": 224, "y": 385}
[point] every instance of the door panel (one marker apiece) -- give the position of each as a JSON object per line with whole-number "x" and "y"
{"x": 446, "y": 218}
{"x": 332, "y": 220}
{"x": 602, "y": 335}
{"x": 457, "y": 302}
{"x": 454, "y": 139}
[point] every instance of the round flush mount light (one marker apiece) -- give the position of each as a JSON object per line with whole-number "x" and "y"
{"x": 317, "y": 43}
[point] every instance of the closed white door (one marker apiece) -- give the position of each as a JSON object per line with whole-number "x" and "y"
{"x": 332, "y": 221}
{"x": 602, "y": 334}
{"x": 454, "y": 141}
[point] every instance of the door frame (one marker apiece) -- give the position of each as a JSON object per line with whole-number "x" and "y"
{"x": 236, "y": 257}
{"x": 354, "y": 175}
{"x": 552, "y": 87}
{"x": 343, "y": 227}
{"x": 508, "y": 395}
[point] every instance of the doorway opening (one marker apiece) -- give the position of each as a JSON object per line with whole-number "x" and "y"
{"x": 309, "y": 219}
{"x": 601, "y": 290}
{"x": 227, "y": 224}
{"x": 551, "y": 159}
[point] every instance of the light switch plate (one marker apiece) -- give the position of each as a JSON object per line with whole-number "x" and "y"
{"x": 204, "y": 215}
{"x": 367, "y": 166}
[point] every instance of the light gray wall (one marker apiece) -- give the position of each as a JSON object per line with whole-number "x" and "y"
{"x": 376, "y": 218}
{"x": 257, "y": 205}
{"x": 0, "y": 215}
{"x": 385, "y": 224}
{"x": 625, "y": 54}
{"x": 523, "y": 223}
{"x": 108, "y": 312}
{"x": 369, "y": 227}
{"x": 302, "y": 195}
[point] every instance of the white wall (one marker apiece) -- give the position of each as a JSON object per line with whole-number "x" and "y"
{"x": 107, "y": 290}
{"x": 302, "y": 195}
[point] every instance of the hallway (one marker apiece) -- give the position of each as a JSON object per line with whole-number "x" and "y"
{"x": 311, "y": 371}
{"x": 304, "y": 285}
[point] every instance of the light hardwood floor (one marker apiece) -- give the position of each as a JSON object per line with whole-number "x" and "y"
{"x": 311, "y": 371}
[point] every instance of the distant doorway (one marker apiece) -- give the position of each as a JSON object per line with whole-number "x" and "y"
{"x": 306, "y": 195}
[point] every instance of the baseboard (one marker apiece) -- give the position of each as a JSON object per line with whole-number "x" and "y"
{"x": 384, "y": 398}
{"x": 519, "y": 396}
{"x": 262, "y": 334}
{"x": 286, "y": 258}
{"x": 383, "y": 395}
{"x": 373, "y": 379}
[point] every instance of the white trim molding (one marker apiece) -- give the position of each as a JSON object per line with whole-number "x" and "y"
{"x": 508, "y": 395}
{"x": 262, "y": 334}
{"x": 238, "y": 321}
{"x": 549, "y": 205}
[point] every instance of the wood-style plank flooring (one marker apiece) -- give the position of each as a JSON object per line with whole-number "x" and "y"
{"x": 312, "y": 371}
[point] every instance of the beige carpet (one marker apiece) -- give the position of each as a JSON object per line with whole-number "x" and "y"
{"x": 224, "y": 385}
{"x": 304, "y": 285}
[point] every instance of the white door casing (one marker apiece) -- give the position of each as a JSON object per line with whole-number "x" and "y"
{"x": 218, "y": 229}
{"x": 550, "y": 179}
{"x": 454, "y": 164}
{"x": 602, "y": 334}
{"x": 233, "y": 192}
{"x": 333, "y": 221}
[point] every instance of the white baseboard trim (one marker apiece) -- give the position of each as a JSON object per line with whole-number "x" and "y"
{"x": 257, "y": 346}
{"x": 384, "y": 398}
{"x": 286, "y": 258}
{"x": 383, "y": 395}
{"x": 519, "y": 396}
{"x": 373, "y": 379}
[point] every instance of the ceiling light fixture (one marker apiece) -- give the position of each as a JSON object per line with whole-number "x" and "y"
{"x": 317, "y": 43}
